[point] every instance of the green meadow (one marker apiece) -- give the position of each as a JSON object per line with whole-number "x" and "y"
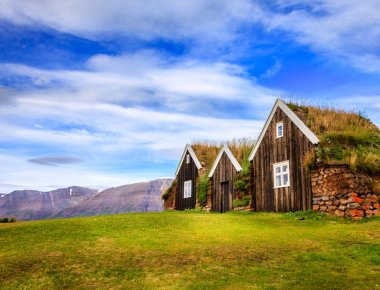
{"x": 191, "y": 250}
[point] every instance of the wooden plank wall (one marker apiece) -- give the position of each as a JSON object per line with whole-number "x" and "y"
{"x": 225, "y": 171}
{"x": 292, "y": 146}
{"x": 187, "y": 172}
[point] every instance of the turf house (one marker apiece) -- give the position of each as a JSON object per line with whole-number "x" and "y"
{"x": 316, "y": 158}
{"x": 223, "y": 176}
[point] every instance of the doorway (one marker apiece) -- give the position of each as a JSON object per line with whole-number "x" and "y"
{"x": 225, "y": 197}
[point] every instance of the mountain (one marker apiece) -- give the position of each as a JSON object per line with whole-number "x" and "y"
{"x": 79, "y": 201}
{"x": 137, "y": 197}
{"x": 32, "y": 204}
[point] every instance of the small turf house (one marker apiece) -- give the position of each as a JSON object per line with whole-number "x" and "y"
{"x": 223, "y": 175}
{"x": 186, "y": 176}
{"x": 279, "y": 179}
{"x": 191, "y": 172}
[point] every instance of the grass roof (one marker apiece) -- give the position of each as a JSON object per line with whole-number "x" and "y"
{"x": 207, "y": 151}
{"x": 347, "y": 137}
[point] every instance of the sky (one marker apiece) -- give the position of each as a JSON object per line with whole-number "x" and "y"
{"x": 104, "y": 93}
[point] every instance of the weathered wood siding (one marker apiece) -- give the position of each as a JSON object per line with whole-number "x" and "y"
{"x": 224, "y": 173}
{"x": 186, "y": 172}
{"x": 292, "y": 146}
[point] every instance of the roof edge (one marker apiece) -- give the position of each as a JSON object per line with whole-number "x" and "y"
{"x": 193, "y": 156}
{"x": 229, "y": 154}
{"x": 293, "y": 117}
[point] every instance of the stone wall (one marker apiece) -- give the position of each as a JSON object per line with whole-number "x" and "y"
{"x": 339, "y": 192}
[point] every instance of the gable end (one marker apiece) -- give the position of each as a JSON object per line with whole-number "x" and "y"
{"x": 293, "y": 117}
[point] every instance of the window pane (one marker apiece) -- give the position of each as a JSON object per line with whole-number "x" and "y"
{"x": 279, "y": 130}
{"x": 278, "y": 180}
{"x": 284, "y": 168}
{"x": 285, "y": 179}
{"x": 278, "y": 169}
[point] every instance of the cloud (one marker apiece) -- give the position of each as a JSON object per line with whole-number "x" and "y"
{"x": 54, "y": 161}
{"x": 148, "y": 78}
{"x": 96, "y": 19}
{"x": 349, "y": 30}
{"x": 273, "y": 70}
{"x": 120, "y": 113}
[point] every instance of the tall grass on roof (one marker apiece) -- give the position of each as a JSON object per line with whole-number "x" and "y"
{"x": 347, "y": 137}
{"x": 207, "y": 150}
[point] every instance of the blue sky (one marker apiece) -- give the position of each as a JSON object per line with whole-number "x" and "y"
{"x": 103, "y": 93}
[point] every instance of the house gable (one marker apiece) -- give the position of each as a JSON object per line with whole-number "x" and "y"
{"x": 293, "y": 117}
{"x": 189, "y": 150}
{"x": 229, "y": 154}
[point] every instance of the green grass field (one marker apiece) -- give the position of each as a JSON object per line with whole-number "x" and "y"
{"x": 191, "y": 250}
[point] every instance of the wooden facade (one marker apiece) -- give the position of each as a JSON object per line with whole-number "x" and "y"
{"x": 291, "y": 147}
{"x": 185, "y": 172}
{"x": 223, "y": 176}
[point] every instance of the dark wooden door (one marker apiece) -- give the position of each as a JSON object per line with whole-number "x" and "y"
{"x": 225, "y": 197}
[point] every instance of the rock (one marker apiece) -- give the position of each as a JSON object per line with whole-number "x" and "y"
{"x": 355, "y": 199}
{"x": 353, "y": 205}
{"x": 323, "y": 208}
{"x": 325, "y": 198}
{"x": 316, "y": 207}
{"x": 356, "y": 213}
{"x": 339, "y": 213}
{"x": 342, "y": 207}
{"x": 343, "y": 201}
{"x": 366, "y": 206}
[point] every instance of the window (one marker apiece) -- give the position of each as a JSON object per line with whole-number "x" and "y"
{"x": 187, "y": 189}
{"x": 187, "y": 159}
{"x": 279, "y": 130}
{"x": 281, "y": 174}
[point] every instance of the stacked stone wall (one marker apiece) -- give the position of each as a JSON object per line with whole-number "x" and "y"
{"x": 339, "y": 192}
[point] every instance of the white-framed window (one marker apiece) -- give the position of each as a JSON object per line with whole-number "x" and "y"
{"x": 187, "y": 189}
{"x": 281, "y": 174}
{"x": 279, "y": 130}
{"x": 187, "y": 158}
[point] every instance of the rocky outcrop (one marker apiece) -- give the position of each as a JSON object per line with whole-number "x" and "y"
{"x": 339, "y": 192}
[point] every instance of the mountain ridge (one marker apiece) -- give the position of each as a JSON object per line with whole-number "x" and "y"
{"x": 81, "y": 201}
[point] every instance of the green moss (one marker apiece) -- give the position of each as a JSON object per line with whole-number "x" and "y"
{"x": 202, "y": 186}
{"x": 242, "y": 202}
{"x": 169, "y": 191}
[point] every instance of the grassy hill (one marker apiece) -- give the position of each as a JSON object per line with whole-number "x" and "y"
{"x": 191, "y": 250}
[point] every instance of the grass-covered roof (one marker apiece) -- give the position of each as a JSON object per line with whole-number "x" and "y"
{"x": 346, "y": 137}
{"x": 207, "y": 151}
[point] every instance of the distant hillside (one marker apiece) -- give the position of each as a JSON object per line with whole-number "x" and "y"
{"x": 79, "y": 201}
{"x": 32, "y": 204}
{"x": 137, "y": 197}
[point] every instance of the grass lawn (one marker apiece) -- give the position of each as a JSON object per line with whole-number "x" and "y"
{"x": 191, "y": 250}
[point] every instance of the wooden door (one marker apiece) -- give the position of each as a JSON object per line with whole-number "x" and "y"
{"x": 225, "y": 198}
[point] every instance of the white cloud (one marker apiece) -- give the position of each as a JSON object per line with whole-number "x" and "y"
{"x": 346, "y": 29}
{"x": 148, "y": 19}
{"x": 141, "y": 110}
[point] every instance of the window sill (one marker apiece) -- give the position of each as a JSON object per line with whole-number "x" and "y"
{"x": 281, "y": 186}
